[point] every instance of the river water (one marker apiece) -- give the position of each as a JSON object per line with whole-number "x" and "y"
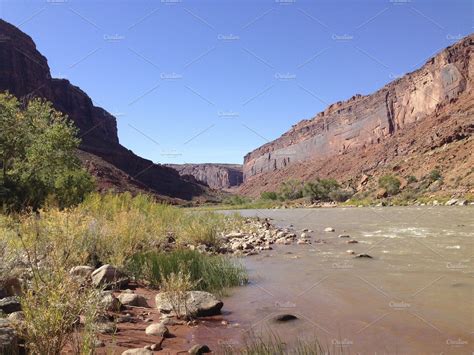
{"x": 416, "y": 296}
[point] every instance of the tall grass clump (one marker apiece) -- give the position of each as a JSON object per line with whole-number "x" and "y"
{"x": 212, "y": 273}
{"x": 109, "y": 229}
{"x": 52, "y": 307}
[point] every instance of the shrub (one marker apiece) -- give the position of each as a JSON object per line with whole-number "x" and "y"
{"x": 213, "y": 273}
{"x": 340, "y": 195}
{"x": 291, "y": 190}
{"x": 269, "y": 195}
{"x": 175, "y": 287}
{"x": 52, "y": 307}
{"x": 435, "y": 175}
{"x": 411, "y": 179}
{"x": 38, "y": 156}
{"x": 320, "y": 189}
{"x": 236, "y": 200}
{"x": 390, "y": 183}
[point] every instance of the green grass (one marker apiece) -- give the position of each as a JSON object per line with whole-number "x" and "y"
{"x": 212, "y": 273}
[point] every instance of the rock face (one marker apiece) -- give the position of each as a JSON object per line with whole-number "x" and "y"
{"x": 364, "y": 122}
{"x": 216, "y": 176}
{"x": 25, "y": 73}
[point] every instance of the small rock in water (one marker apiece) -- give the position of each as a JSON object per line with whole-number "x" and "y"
{"x": 199, "y": 349}
{"x": 352, "y": 252}
{"x": 285, "y": 318}
{"x": 364, "y": 256}
{"x": 344, "y": 236}
{"x": 352, "y": 241}
{"x": 329, "y": 229}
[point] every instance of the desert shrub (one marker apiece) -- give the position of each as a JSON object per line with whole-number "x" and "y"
{"x": 52, "y": 306}
{"x": 269, "y": 195}
{"x": 411, "y": 179}
{"x": 291, "y": 190}
{"x": 390, "y": 183}
{"x": 175, "y": 287}
{"x": 434, "y": 175}
{"x": 213, "y": 273}
{"x": 319, "y": 189}
{"x": 38, "y": 156}
{"x": 108, "y": 229}
{"x": 236, "y": 200}
{"x": 340, "y": 195}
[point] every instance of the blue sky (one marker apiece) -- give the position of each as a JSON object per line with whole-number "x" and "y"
{"x": 209, "y": 81}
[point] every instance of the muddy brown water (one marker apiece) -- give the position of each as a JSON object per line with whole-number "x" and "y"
{"x": 416, "y": 296}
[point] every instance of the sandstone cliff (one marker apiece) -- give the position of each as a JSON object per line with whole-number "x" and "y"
{"x": 25, "y": 73}
{"x": 216, "y": 176}
{"x": 372, "y": 123}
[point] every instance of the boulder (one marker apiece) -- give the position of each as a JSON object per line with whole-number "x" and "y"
{"x": 138, "y": 351}
{"x": 10, "y": 304}
{"x": 109, "y": 277}
{"x": 157, "y": 329}
{"x": 109, "y": 302}
{"x": 8, "y": 338}
{"x": 381, "y": 193}
{"x": 462, "y": 203}
{"x": 198, "y": 304}
{"x": 106, "y": 327}
{"x": 131, "y": 299}
{"x": 81, "y": 271}
{"x": 199, "y": 349}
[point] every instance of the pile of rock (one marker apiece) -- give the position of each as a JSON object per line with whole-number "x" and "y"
{"x": 258, "y": 235}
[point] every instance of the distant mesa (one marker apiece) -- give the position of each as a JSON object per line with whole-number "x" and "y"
{"x": 216, "y": 176}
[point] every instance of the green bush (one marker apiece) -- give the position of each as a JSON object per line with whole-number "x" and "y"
{"x": 38, "y": 156}
{"x": 236, "y": 200}
{"x": 411, "y": 179}
{"x": 213, "y": 273}
{"x": 269, "y": 195}
{"x": 340, "y": 195}
{"x": 435, "y": 175}
{"x": 390, "y": 183}
{"x": 291, "y": 190}
{"x": 320, "y": 189}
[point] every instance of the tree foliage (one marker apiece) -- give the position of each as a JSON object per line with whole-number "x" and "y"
{"x": 390, "y": 183}
{"x": 37, "y": 156}
{"x": 320, "y": 189}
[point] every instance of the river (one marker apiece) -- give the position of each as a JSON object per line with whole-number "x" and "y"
{"x": 415, "y": 296}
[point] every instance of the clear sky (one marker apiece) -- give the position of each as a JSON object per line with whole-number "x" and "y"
{"x": 209, "y": 81}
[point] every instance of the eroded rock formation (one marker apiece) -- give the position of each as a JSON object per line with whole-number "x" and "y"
{"x": 363, "y": 122}
{"x": 216, "y": 176}
{"x": 25, "y": 73}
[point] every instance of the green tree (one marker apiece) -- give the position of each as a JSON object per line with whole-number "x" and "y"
{"x": 38, "y": 156}
{"x": 291, "y": 190}
{"x": 320, "y": 189}
{"x": 390, "y": 183}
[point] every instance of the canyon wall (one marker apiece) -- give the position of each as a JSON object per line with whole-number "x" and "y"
{"x": 216, "y": 176}
{"x": 368, "y": 120}
{"x": 25, "y": 73}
